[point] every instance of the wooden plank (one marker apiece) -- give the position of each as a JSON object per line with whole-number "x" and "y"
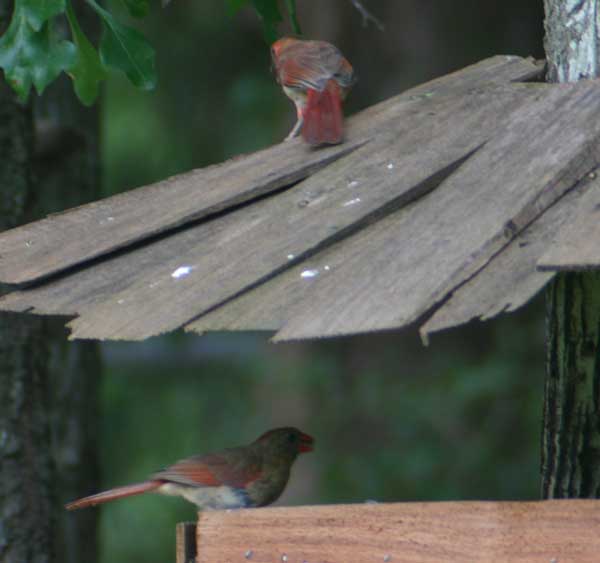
{"x": 60, "y": 241}
{"x": 559, "y": 531}
{"x": 510, "y": 280}
{"x": 218, "y": 259}
{"x": 268, "y": 306}
{"x": 576, "y": 245}
{"x": 186, "y": 547}
{"x": 494, "y": 71}
{"x": 43, "y": 248}
{"x": 406, "y": 264}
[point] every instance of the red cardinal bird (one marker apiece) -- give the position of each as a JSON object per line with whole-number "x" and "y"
{"x": 316, "y": 77}
{"x": 242, "y": 477}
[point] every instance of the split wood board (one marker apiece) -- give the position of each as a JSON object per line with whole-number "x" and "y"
{"x": 559, "y": 531}
{"x": 63, "y": 240}
{"x": 511, "y": 279}
{"x": 219, "y": 259}
{"x": 577, "y": 244}
{"x": 507, "y": 283}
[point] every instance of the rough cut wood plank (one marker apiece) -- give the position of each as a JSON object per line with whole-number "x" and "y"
{"x": 186, "y": 550}
{"x": 559, "y": 531}
{"x": 406, "y": 264}
{"x": 510, "y": 280}
{"x": 577, "y": 244}
{"x": 271, "y": 304}
{"x": 495, "y": 71}
{"x": 135, "y": 295}
{"x": 61, "y": 241}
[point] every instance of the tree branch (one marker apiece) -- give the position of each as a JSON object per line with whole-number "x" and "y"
{"x": 367, "y": 16}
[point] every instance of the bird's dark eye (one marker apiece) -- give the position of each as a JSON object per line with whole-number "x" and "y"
{"x": 292, "y": 438}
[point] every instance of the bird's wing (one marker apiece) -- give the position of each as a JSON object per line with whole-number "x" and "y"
{"x": 310, "y": 64}
{"x": 232, "y": 468}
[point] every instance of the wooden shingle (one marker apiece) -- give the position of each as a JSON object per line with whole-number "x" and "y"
{"x": 577, "y": 242}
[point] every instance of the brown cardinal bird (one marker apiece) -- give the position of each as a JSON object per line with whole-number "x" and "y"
{"x": 242, "y": 477}
{"x": 316, "y": 77}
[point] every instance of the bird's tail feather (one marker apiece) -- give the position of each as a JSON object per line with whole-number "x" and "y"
{"x": 323, "y": 117}
{"x": 113, "y": 494}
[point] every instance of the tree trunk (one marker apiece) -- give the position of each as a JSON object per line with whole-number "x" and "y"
{"x": 572, "y": 44}
{"x": 571, "y": 439}
{"x": 571, "y": 429}
{"x": 26, "y": 468}
{"x": 47, "y": 386}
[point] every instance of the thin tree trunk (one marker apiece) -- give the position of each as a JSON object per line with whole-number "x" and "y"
{"x": 571, "y": 429}
{"x": 47, "y": 386}
{"x": 26, "y": 467}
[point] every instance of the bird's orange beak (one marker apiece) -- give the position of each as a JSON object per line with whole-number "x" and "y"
{"x": 306, "y": 443}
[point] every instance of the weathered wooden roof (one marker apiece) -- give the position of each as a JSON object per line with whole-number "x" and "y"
{"x": 435, "y": 210}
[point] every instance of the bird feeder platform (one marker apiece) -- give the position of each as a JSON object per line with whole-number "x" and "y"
{"x": 554, "y": 531}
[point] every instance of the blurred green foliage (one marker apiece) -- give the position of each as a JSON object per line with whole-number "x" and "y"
{"x": 394, "y": 421}
{"x": 32, "y": 51}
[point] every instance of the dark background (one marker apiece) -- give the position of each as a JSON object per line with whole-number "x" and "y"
{"x": 394, "y": 421}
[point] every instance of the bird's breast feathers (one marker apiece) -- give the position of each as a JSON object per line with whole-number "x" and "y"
{"x": 209, "y": 498}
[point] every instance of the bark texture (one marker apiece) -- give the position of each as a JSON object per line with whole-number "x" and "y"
{"x": 571, "y": 430}
{"x": 26, "y": 468}
{"x": 572, "y": 39}
{"x": 47, "y": 386}
{"x": 571, "y": 439}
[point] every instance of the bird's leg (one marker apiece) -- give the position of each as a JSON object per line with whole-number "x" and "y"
{"x": 296, "y": 130}
{"x": 298, "y": 127}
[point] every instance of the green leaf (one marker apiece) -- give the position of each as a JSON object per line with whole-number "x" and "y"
{"x": 32, "y": 57}
{"x": 137, "y": 8}
{"x": 37, "y": 12}
{"x": 269, "y": 12}
{"x": 87, "y": 72}
{"x": 126, "y": 49}
{"x": 236, "y": 5}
